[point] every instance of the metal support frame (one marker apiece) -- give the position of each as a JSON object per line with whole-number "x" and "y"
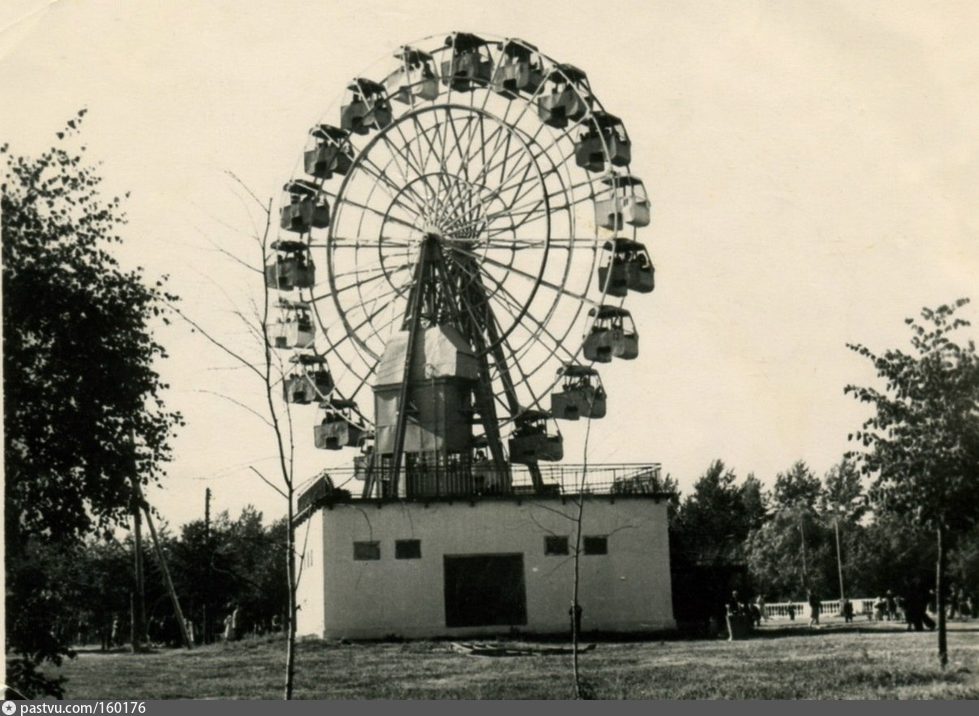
{"x": 412, "y": 321}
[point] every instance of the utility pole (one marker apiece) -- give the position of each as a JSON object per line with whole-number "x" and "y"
{"x": 138, "y": 637}
{"x": 802, "y": 533}
{"x": 139, "y": 598}
{"x": 181, "y": 622}
{"x": 207, "y": 547}
{"x": 839, "y": 557}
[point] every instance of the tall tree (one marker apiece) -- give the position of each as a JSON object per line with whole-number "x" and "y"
{"x": 791, "y": 551}
{"x": 842, "y": 503}
{"x": 922, "y": 442}
{"x": 713, "y": 520}
{"x": 83, "y": 402}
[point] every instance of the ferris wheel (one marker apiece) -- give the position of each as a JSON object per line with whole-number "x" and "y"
{"x": 471, "y": 206}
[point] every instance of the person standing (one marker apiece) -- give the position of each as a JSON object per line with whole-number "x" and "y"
{"x": 891, "y": 606}
{"x": 228, "y": 630}
{"x": 813, "y": 608}
{"x": 236, "y": 623}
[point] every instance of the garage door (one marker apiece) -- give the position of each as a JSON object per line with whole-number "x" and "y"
{"x": 485, "y": 590}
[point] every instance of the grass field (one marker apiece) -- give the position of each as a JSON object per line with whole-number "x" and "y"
{"x": 859, "y": 662}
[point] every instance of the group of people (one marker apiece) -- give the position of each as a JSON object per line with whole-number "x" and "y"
{"x": 918, "y": 607}
{"x": 235, "y": 627}
{"x": 743, "y": 615}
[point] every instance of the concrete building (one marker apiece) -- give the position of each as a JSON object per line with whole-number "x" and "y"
{"x": 488, "y": 565}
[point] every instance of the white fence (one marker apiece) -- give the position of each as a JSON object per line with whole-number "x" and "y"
{"x": 827, "y": 608}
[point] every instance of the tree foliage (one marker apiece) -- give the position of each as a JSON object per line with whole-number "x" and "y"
{"x": 922, "y": 442}
{"x": 714, "y": 520}
{"x": 83, "y": 403}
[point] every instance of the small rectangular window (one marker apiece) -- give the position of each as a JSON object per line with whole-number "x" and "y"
{"x": 407, "y": 549}
{"x": 555, "y": 545}
{"x": 596, "y": 545}
{"x": 367, "y": 550}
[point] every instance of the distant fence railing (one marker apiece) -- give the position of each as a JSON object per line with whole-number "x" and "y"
{"x": 828, "y": 607}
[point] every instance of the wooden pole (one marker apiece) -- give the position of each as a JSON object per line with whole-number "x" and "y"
{"x": 139, "y": 639}
{"x": 206, "y": 631}
{"x": 839, "y": 558}
{"x": 166, "y": 578}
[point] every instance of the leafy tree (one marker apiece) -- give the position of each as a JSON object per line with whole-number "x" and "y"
{"x": 792, "y": 551}
{"x": 83, "y": 404}
{"x": 842, "y": 504}
{"x": 713, "y": 520}
{"x": 754, "y": 502}
{"x": 798, "y": 488}
{"x": 889, "y": 554}
{"x": 922, "y": 442}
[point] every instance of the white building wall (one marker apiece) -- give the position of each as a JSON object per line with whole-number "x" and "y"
{"x": 309, "y": 595}
{"x": 627, "y": 589}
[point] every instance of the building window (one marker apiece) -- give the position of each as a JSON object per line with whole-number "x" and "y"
{"x": 367, "y": 550}
{"x": 596, "y": 545}
{"x": 555, "y": 545}
{"x": 407, "y": 549}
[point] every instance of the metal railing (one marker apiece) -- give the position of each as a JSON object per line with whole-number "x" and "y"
{"x": 478, "y": 479}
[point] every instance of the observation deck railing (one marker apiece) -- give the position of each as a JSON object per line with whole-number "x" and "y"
{"x": 480, "y": 480}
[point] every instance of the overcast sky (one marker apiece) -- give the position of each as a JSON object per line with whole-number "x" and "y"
{"x": 813, "y": 166}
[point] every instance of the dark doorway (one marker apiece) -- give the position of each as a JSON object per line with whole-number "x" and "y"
{"x": 485, "y": 590}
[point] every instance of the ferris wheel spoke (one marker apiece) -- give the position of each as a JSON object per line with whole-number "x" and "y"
{"x": 368, "y": 244}
{"x": 477, "y": 127}
{"x": 498, "y": 192}
{"x": 464, "y": 223}
{"x": 524, "y": 377}
{"x": 379, "y": 174}
{"x": 418, "y": 162}
{"x": 495, "y": 243}
{"x": 529, "y": 276}
{"x": 343, "y": 289}
{"x": 536, "y": 152}
{"x": 371, "y": 369}
{"x": 536, "y": 204}
{"x": 454, "y": 190}
{"x": 495, "y": 136}
{"x": 422, "y": 131}
{"x": 379, "y": 269}
{"x": 508, "y": 299}
{"x": 537, "y": 210}
{"x": 412, "y": 162}
{"x": 383, "y": 215}
{"x": 457, "y": 145}
{"x": 432, "y": 201}
{"x": 351, "y": 331}
{"x": 396, "y": 151}
{"x": 487, "y": 168}
{"x": 463, "y": 204}
{"x": 523, "y": 148}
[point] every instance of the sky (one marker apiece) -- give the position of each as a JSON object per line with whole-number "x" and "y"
{"x": 812, "y": 168}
